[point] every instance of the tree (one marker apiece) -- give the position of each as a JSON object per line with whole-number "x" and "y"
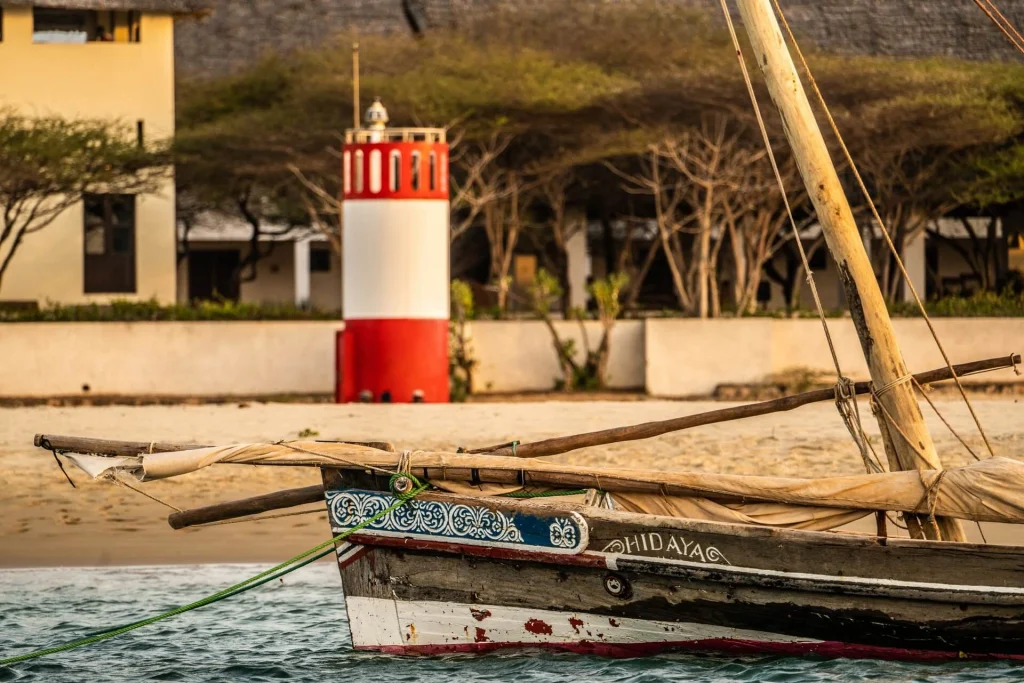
{"x": 592, "y": 373}
{"x": 47, "y": 164}
{"x": 244, "y": 173}
{"x": 757, "y": 225}
{"x": 695, "y": 180}
{"x": 553, "y": 189}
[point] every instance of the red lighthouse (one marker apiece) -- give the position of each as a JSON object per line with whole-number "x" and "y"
{"x": 395, "y": 278}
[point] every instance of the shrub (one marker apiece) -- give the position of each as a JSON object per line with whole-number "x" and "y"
{"x": 142, "y": 311}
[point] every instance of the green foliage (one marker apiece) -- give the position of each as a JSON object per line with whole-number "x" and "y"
{"x": 144, "y": 311}
{"x": 48, "y": 163}
{"x": 998, "y": 176}
{"x": 1008, "y": 304}
{"x": 56, "y": 155}
{"x": 307, "y": 432}
{"x": 606, "y": 293}
{"x": 461, "y": 362}
{"x": 544, "y": 291}
{"x": 462, "y": 300}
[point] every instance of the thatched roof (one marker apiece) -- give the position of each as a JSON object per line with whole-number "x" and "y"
{"x": 161, "y": 6}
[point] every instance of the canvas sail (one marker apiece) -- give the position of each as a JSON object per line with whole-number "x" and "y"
{"x": 990, "y": 490}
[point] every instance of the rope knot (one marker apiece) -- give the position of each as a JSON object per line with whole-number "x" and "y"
{"x": 893, "y": 384}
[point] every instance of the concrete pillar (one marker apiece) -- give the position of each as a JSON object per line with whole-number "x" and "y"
{"x": 578, "y": 265}
{"x": 301, "y": 271}
{"x": 917, "y": 268}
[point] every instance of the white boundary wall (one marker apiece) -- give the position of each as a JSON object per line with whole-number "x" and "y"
{"x": 688, "y": 357}
{"x": 668, "y": 357}
{"x": 519, "y": 355}
{"x": 167, "y": 358}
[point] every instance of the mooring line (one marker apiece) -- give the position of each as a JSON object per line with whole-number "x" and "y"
{"x": 286, "y": 567}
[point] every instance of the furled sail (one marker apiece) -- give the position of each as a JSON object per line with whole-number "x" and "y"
{"x": 990, "y": 490}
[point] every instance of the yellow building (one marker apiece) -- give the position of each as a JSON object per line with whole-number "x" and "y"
{"x": 109, "y": 59}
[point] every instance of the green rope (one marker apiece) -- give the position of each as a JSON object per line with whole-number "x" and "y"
{"x": 543, "y": 494}
{"x": 278, "y": 571}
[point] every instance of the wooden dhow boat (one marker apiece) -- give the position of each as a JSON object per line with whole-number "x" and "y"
{"x": 471, "y": 552}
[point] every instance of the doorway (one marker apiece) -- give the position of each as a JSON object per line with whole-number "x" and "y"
{"x": 212, "y": 275}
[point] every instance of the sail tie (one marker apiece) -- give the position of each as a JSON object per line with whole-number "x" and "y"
{"x": 891, "y": 385}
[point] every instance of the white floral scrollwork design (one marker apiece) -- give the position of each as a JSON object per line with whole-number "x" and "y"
{"x": 563, "y": 533}
{"x": 349, "y": 508}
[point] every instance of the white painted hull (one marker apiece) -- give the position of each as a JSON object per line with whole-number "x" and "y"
{"x": 428, "y": 627}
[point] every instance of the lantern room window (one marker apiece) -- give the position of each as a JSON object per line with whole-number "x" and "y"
{"x": 396, "y": 170}
{"x": 359, "y": 171}
{"x": 346, "y": 172}
{"x": 415, "y": 181}
{"x": 375, "y": 171}
{"x": 433, "y": 171}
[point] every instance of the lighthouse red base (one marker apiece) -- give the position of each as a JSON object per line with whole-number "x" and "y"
{"x": 400, "y": 360}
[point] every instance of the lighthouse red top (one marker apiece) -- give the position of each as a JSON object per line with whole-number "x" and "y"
{"x": 394, "y": 163}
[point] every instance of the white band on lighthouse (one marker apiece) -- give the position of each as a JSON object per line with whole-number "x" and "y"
{"x": 396, "y": 259}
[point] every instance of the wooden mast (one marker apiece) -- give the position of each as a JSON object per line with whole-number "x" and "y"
{"x": 907, "y": 441}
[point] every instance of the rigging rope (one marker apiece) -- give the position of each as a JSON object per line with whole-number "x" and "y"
{"x": 844, "y": 393}
{"x": 1002, "y": 23}
{"x": 275, "y": 572}
{"x": 117, "y": 480}
{"x": 881, "y": 225}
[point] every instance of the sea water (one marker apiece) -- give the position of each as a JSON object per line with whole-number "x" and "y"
{"x": 297, "y": 630}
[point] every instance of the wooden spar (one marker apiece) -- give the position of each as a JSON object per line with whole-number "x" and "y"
{"x": 356, "y": 114}
{"x": 906, "y": 437}
{"x": 563, "y": 444}
{"x": 247, "y": 506}
{"x": 110, "y": 448}
{"x": 847, "y": 494}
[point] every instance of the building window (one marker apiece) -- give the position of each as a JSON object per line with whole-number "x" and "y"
{"x": 109, "y": 221}
{"x": 525, "y": 269}
{"x": 396, "y": 170}
{"x": 319, "y": 260}
{"x": 51, "y": 25}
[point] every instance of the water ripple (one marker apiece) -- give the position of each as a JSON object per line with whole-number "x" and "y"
{"x": 298, "y": 631}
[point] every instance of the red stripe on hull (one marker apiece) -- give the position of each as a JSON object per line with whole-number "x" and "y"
{"x": 829, "y": 649}
{"x": 395, "y": 357}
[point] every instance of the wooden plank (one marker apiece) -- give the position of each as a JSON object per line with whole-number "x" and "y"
{"x": 647, "y": 430}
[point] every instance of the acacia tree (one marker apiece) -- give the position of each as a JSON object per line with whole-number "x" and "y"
{"x": 47, "y": 164}
{"x": 553, "y": 191}
{"x": 757, "y": 225}
{"x": 244, "y": 173}
{"x": 695, "y": 181}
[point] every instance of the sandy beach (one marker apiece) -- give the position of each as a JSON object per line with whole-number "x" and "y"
{"x": 46, "y": 522}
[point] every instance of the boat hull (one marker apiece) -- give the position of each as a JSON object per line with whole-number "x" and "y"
{"x": 619, "y": 584}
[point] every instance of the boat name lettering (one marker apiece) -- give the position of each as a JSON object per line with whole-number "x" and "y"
{"x": 666, "y": 544}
